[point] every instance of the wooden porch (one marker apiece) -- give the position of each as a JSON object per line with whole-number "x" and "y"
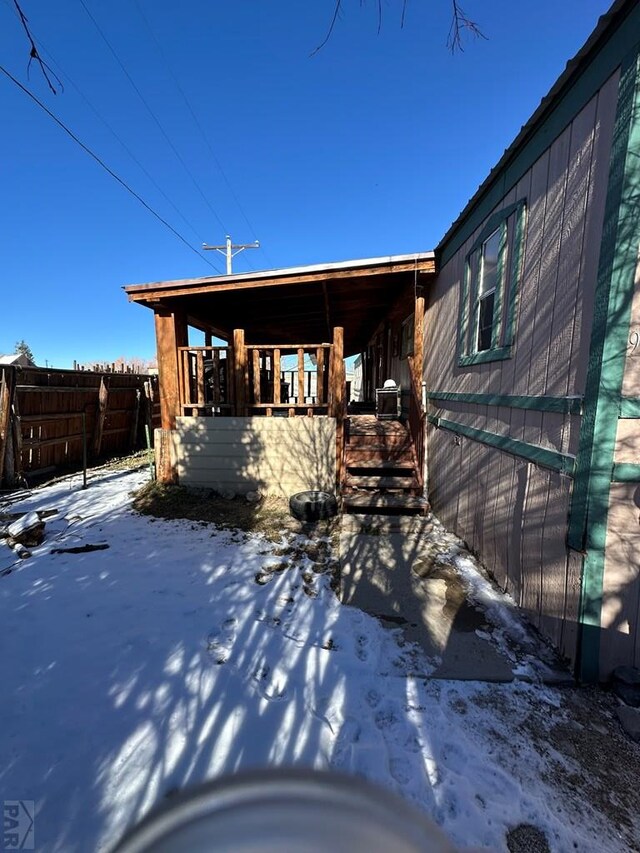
{"x": 268, "y": 367}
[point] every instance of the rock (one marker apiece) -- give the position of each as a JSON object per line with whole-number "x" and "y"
{"x": 625, "y": 683}
{"x": 630, "y": 721}
{"x": 28, "y": 530}
{"x": 253, "y": 497}
{"x": 227, "y": 494}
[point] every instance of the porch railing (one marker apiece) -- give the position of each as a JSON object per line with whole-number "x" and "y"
{"x": 288, "y": 379}
{"x": 264, "y": 379}
{"x": 205, "y": 380}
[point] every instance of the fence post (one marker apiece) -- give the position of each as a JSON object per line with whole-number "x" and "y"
{"x": 6, "y": 394}
{"x": 103, "y": 402}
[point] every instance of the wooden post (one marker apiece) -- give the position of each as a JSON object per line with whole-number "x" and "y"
{"x": 337, "y": 378}
{"x": 300, "y": 400}
{"x": 215, "y": 360}
{"x": 171, "y": 333}
{"x": 239, "y": 371}
{"x": 200, "y": 377}
{"x": 418, "y": 346}
{"x": 256, "y": 376}
{"x": 207, "y": 339}
{"x": 17, "y": 440}
{"x": 133, "y": 435}
{"x": 5, "y": 415}
{"x": 320, "y": 375}
{"x": 276, "y": 377}
{"x": 103, "y": 402}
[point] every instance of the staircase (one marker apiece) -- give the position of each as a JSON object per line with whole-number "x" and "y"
{"x": 381, "y": 474}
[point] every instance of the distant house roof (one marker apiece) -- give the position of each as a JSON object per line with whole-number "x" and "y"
{"x": 16, "y": 358}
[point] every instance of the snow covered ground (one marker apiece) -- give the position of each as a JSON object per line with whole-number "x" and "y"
{"x": 182, "y": 652}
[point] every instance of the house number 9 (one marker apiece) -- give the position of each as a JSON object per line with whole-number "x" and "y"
{"x": 634, "y": 342}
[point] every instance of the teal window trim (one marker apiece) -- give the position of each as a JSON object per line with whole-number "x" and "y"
{"x": 544, "y": 457}
{"x": 507, "y": 280}
{"x": 626, "y": 472}
{"x": 630, "y": 407}
{"x": 617, "y": 265}
{"x": 564, "y": 405}
{"x": 486, "y": 355}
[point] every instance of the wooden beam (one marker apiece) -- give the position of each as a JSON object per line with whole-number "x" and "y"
{"x": 300, "y": 400}
{"x": 200, "y": 377}
{"x": 171, "y": 333}
{"x": 256, "y": 376}
{"x": 215, "y": 359}
{"x": 6, "y": 389}
{"x": 189, "y": 287}
{"x": 336, "y": 396}
{"x": 327, "y": 310}
{"x": 276, "y": 376}
{"x": 239, "y": 371}
{"x": 320, "y": 374}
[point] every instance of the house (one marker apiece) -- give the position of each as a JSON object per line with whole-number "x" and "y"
{"x": 516, "y": 346}
{"x": 16, "y": 359}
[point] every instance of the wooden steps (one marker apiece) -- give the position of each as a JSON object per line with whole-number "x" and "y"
{"x": 376, "y": 504}
{"x": 381, "y": 472}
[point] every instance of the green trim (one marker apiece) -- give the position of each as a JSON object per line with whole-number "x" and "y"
{"x": 626, "y": 472}
{"x": 470, "y": 301}
{"x": 568, "y": 103}
{"x": 516, "y": 270}
{"x": 564, "y": 463}
{"x": 609, "y": 335}
{"x": 486, "y": 355}
{"x": 630, "y": 407}
{"x": 463, "y": 318}
{"x": 565, "y": 405}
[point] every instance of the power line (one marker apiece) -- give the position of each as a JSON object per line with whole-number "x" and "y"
{"x": 105, "y": 167}
{"x": 197, "y": 123}
{"x": 152, "y": 114}
{"x": 42, "y": 47}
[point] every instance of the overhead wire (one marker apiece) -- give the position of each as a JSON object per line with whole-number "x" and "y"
{"x": 107, "y": 169}
{"x": 198, "y": 124}
{"x": 153, "y": 115}
{"x": 43, "y": 49}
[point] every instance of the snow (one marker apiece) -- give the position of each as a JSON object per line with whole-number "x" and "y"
{"x": 158, "y": 662}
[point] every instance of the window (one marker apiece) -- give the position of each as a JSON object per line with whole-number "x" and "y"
{"x": 489, "y": 289}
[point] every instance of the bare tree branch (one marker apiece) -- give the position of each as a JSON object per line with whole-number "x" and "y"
{"x": 33, "y": 54}
{"x": 336, "y": 13}
{"x": 459, "y": 23}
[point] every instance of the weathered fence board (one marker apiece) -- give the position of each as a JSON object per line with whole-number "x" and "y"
{"x": 46, "y": 414}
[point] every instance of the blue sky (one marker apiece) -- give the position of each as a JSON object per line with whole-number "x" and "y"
{"x": 370, "y": 147}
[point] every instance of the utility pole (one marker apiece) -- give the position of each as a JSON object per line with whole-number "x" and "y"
{"x": 228, "y": 248}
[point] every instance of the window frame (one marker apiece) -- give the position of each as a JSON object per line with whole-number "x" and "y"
{"x": 509, "y": 264}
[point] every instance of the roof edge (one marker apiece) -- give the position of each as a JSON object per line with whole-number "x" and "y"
{"x": 284, "y": 271}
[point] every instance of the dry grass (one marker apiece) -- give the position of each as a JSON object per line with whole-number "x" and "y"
{"x": 270, "y": 516}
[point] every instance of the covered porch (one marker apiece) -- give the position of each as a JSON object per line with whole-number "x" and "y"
{"x": 270, "y": 367}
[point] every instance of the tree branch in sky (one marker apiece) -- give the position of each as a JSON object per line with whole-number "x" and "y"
{"x": 33, "y": 53}
{"x": 459, "y": 23}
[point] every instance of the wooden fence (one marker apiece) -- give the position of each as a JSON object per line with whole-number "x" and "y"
{"x": 51, "y": 419}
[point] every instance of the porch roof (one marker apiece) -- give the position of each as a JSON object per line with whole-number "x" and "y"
{"x": 295, "y": 304}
